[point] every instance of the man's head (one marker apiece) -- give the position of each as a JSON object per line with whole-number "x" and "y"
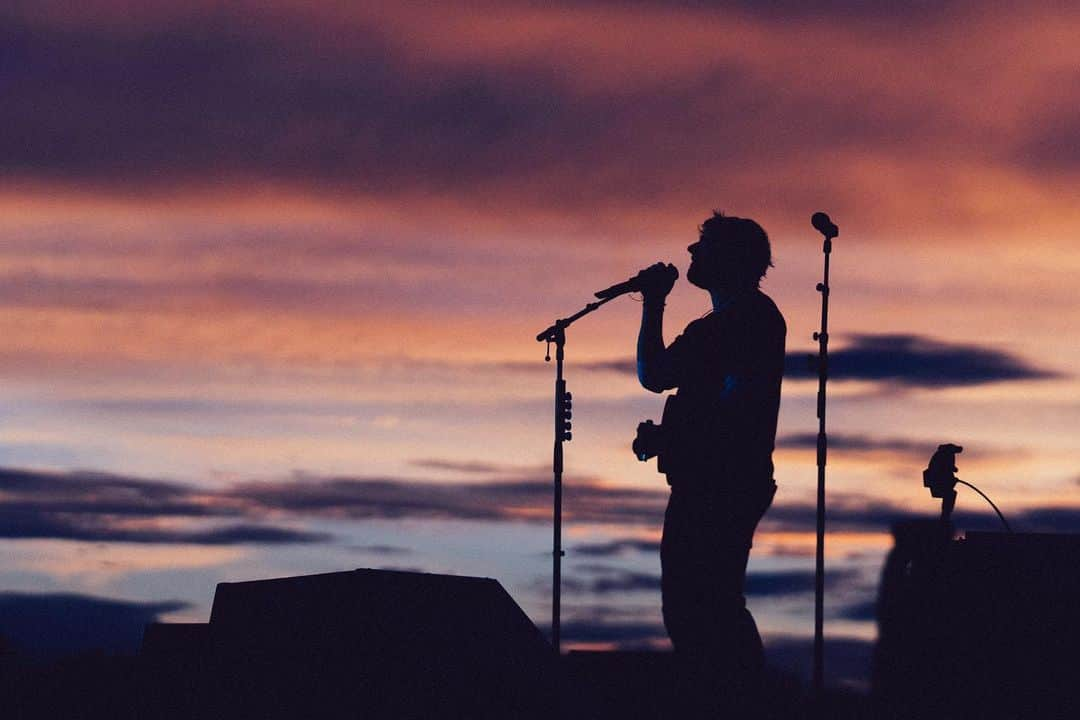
{"x": 732, "y": 253}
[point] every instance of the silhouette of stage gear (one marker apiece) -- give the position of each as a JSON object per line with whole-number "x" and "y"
{"x": 982, "y": 627}
{"x": 387, "y": 644}
{"x": 366, "y": 643}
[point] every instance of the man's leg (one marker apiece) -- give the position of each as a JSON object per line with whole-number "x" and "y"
{"x": 702, "y": 601}
{"x": 677, "y": 573}
{"x": 683, "y": 610}
{"x": 704, "y": 554}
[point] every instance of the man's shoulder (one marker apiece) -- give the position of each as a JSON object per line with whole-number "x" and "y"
{"x": 762, "y": 303}
{"x": 765, "y": 306}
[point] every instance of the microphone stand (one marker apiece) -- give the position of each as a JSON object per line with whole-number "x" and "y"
{"x": 557, "y": 334}
{"x": 822, "y": 363}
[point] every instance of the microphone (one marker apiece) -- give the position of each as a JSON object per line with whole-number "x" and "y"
{"x": 638, "y": 282}
{"x": 824, "y": 225}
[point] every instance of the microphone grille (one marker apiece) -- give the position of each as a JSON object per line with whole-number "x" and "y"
{"x": 823, "y": 224}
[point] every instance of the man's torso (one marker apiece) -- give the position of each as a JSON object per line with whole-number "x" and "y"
{"x": 720, "y": 434}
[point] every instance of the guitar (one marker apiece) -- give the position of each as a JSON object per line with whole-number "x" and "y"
{"x": 666, "y": 440}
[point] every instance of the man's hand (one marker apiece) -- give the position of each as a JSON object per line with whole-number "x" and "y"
{"x": 649, "y": 441}
{"x": 656, "y": 281}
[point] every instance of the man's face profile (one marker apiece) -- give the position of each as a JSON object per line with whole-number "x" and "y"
{"x": 707, "y": 263}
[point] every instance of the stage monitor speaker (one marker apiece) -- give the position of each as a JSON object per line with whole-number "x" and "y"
{"x": 378, "y": 643}
{"x": 983, "y": 627}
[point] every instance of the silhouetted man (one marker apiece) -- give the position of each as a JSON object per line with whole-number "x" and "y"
{"x": 718, "y": 436}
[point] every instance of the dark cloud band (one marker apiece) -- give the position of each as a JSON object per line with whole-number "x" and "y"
{"x": 607, "y": 580}
{"x": 99, "y": 507}
{"x": 96, "y": 507}
{"x": 917, "y": 361}
{"x": 904, "y": 360}
{"x": 212, "y": 98}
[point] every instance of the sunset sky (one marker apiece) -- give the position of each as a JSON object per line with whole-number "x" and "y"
{"x": 272, "y": 276}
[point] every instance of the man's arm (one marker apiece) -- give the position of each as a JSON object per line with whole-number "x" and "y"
{"x": 654, "y": 366}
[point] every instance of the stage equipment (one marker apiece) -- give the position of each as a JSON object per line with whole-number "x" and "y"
{"x": 983, "y": 626}
{"x": 363, "y": 643}
{"x": 940, "y": 479}
{"x": 825, "y": 226}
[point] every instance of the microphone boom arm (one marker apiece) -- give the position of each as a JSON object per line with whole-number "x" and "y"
{"x": 549, "y": 334}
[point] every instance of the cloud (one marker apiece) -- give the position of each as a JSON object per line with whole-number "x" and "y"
{"x": 880, "y": 447}
{"x": 381, "y": 549}
{"x": 114, "y": 494}
{"x": 759, "y": 583}
{"x": 618, "y": 546}
{"x": 856, "y": 514}
{"x": 839, "y": 442}
{"x": 409, "y": 119}
{"x": 789, "y": 551}
{"x": 470, "y": 467}
{"x": 626, "y": 367}
{"x": 1051, "y": 148}
{"x": 1039, "y": 519}
{"x": 28, "y": 524}
{"x": 623, "y": 634}
{"x": 524, "y": 499}
{"x": 66, "y": 624}
{"x": 100, "y": 507}
{"x": 917, "y": 361}
{"x": 621, "y": 581}
{"x": 921, "y": 10}
{"x": 862, "y": 611}
{"x": 430, "y": 102}
{"x": 849, "y": 515}
{"x": 904, "y": 360}
{"x": 233, "y": 535}
{"x": 216, "y": 97}
{"x": 777, "y": 583}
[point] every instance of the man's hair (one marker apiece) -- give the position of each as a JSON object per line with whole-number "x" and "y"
{"x": 746, "y": 241}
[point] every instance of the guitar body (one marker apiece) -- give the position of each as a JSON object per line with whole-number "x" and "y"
{"x": 674, "y": 423}
{"x": 666, "y": 441}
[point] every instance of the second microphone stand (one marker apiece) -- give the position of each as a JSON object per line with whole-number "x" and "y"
{"x": 825, "y": 226}
{"x": 557, "y": 334}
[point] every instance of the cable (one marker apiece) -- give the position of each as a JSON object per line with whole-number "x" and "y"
{"x": 1003, "y": 521}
